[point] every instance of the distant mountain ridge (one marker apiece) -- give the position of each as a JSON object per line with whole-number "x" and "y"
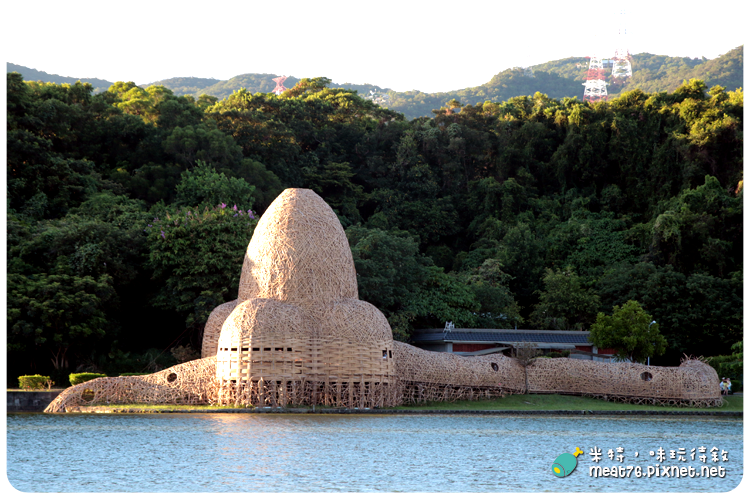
{"x": 30, "y": 74}
{"x": 557, "y": 79}
{"x": 565, "y": 78}
{"x": 252, "y": 82}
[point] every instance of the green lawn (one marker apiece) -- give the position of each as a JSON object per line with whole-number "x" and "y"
{"x": 562, "y": 402}
{"x": 516, "y": 402}
{"x": 16, "y": 389}
{"x": 138, "y": 406}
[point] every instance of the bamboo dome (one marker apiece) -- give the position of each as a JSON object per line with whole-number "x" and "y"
{"x": 298, "y": 254}
{"x": 298, "y": 327}
{"x": 212, "y": 329}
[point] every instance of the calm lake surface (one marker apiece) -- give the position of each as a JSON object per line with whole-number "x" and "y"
{"x": 357, "y": 453}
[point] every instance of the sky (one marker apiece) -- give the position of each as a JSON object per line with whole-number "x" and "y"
{"x": 403, "y": 45}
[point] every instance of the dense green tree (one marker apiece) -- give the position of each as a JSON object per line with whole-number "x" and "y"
{"x": 497, "y": 306}
{"x": 631, "y": 331}
{"x": 698, "y": 230}
{"x": 443, "y": 298}
{"x": 195, "y": 255}
{"x": 57, "y": 313}
{"x": 267, "y": 185}
{"x": 203, "y": 186}
{"x": 699, "y": 315}
{"x": 81, "y": 246}
{"x": 202, "y": 143}
{"x": 520, "y": 252}
{"x": 390, "y": 273}
{"x": 564, "y": 303}
{"x": 332, "y": 182}
{"x": 730, "y": 365}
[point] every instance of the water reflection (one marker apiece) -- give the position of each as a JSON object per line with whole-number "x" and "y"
{"x": 387, "y": 453}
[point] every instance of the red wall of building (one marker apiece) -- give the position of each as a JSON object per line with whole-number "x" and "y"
{"x": 471, "y": 347}
{"x": 608, "y": 350}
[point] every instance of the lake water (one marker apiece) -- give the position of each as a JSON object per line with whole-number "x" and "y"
{"x": 359, "y": 453}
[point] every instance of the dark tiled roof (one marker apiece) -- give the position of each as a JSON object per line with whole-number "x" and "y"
{"x": 500, "y": 336}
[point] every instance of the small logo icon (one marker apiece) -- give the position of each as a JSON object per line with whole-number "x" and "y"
{"x": 566, "y": 463}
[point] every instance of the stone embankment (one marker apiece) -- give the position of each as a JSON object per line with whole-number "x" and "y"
{"x": 30, "y": 401}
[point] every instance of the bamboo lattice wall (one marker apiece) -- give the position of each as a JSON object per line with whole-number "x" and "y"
{"x": 212, "y": 330}
{"x": 193, "y": 382}
{"x": 441, "y": 376}
{"x": 693, "y": 383}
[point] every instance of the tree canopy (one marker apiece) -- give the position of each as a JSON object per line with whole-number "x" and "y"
{"x": 528, "y": 212}
{"x": 631, "y": 331}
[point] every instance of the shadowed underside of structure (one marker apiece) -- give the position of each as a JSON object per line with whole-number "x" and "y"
{"x": 299, "y": 335}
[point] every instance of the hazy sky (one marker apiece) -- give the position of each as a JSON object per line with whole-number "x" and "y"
{"x": 404, "y": 45}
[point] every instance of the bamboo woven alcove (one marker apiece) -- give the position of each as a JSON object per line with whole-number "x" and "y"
{"x": 298, "y": 335}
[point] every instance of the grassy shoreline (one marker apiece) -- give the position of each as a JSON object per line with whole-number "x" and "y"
{"x": 555, "y": 402}
{"x": 519, "y": 402}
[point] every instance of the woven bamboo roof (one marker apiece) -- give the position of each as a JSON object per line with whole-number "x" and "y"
{"x": 299, "y": 253}
{"x": 298, "y": 315}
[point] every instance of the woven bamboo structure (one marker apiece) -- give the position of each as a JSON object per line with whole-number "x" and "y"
{"x": 693, "y": 383}
{"x": 212, "y": 330}
{"x": 298, "y": 335}
{"x": 193, "y": 382}
{"x": 441, "y": 376}
{"x": 299, "y": 254}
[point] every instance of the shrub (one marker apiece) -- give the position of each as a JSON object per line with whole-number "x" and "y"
{"x": 34, "y": 382}
{"x": 79, "y": 378}
{"x": 562, "y": 354}
{"x": 134, "y": 374}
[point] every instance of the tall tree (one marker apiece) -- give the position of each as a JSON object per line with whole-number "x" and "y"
{"x": 631, "y": 331}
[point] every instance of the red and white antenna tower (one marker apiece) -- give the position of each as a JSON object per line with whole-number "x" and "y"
{"x": 621, "y": 67}
{"x": 279, "y": 85}
{"x": 595, "y": 88}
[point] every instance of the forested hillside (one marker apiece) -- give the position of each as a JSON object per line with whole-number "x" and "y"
{"x": 129, "y": 212}
{"x": 565, "y": 77}
{"x": 251, "y": 82}
{"x": 556, "y": 79}
{"x": 31, "y": 74}
{"x": 221, "y": 89}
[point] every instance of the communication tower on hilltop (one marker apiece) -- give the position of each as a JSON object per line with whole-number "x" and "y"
{"x": 621, "y": 67}
{"x": 378, "y": 97}
{"x": 595, "y": 88}
{"x": 279, "y": 85}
